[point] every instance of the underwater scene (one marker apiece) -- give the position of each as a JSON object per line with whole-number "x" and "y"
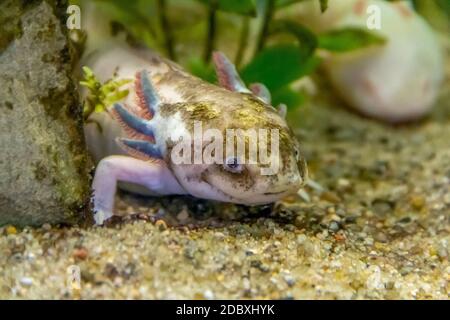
{"x": 225, "y": 150}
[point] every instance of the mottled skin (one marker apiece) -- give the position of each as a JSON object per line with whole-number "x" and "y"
{"x": 181, "y": 99}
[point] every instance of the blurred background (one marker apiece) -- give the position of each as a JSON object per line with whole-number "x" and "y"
{"x": 293, "y": 45}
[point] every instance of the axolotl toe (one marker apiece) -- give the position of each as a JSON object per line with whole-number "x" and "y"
{"x": 177, "y": 134}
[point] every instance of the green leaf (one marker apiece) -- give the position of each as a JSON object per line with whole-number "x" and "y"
{"x": 289, "y": 97}
{"x": 88, "y": 72}
{"x": 285, "y": 3}
{"x": 444, "y": 5}
{"x": 198, "y": 68}
{"x": 242, "y": 7}
{"x": 100, "y": 96}
{"x": 99, "y": 108}
{"x": 278, "y": 66}
{"x": 307, "y": 40}
{"x": 348, "y": 39}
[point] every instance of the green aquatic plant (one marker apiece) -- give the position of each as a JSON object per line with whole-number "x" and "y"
{"x": 101, "y": 95}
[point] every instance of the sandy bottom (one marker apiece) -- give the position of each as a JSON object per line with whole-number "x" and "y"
{"x": 378, "y": 229}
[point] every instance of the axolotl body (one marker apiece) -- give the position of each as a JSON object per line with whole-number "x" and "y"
{"x": 133, "y": 141}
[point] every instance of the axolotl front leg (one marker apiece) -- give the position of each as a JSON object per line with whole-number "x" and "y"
{"x": 154, "y": 175}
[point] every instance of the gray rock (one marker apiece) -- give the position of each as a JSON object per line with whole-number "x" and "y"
{"x": 44, "y": 167}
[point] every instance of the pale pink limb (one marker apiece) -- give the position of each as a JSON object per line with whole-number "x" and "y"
{"x": 154, "y": 175}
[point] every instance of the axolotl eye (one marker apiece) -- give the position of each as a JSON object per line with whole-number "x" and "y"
{"x": 297, "y": 154}
{"x": 233, "y": 165}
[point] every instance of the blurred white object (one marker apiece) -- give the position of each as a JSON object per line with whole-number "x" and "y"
{"x": 396, "y": 82}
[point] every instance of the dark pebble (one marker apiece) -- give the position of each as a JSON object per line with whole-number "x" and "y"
{"x": 111, "y": 271}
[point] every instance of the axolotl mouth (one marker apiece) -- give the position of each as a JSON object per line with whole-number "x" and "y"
{"x": 257, "y": 199}
{"x": 274, "y": 193}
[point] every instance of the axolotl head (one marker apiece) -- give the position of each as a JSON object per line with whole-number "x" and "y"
{"x": 242, "y": 152}
{"x": 260, "y": 160}
{"x": 222, "y": 143}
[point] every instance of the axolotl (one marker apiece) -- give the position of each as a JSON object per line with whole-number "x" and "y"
{"x": 133, "y": 141}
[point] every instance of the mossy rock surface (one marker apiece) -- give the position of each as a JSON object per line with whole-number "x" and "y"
{"x": 44, "y": 167}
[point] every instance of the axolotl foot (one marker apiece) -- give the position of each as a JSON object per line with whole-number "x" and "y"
{"x": 101, "y": 216}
